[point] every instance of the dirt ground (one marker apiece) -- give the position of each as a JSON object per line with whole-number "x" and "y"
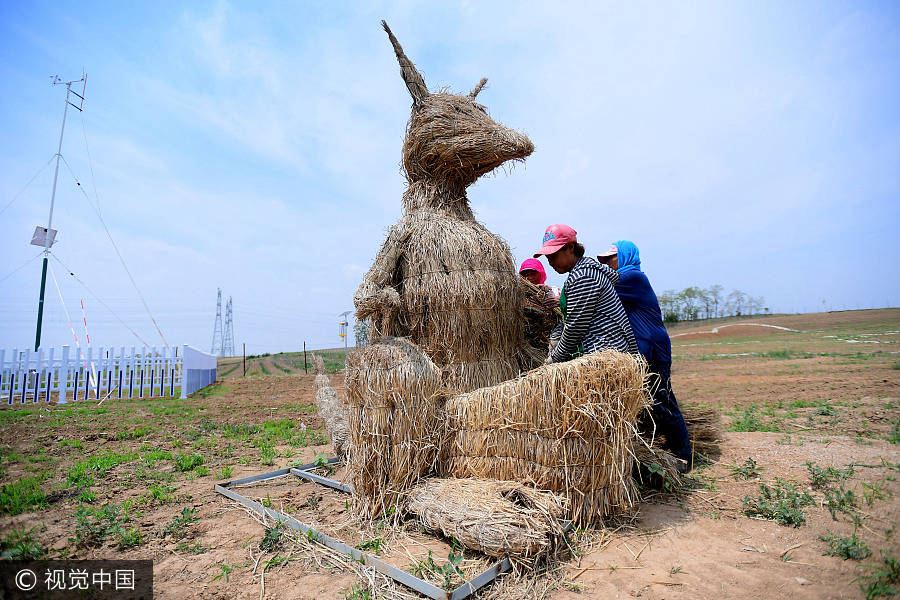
{"x": 134, "y": 479}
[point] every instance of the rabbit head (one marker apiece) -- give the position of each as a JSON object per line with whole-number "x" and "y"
{"x": 450, "y": 139}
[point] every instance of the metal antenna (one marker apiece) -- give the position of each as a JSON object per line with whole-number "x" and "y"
{"x": 48, "y": 235}
{"x": 343, "y": 325}
{"x": 217, "y": 329}
{"x": 228, "y": 341}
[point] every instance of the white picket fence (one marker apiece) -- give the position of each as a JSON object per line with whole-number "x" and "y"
{"x": 29, "y": 377}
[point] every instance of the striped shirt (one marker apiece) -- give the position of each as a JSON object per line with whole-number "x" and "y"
{"x": 595, "y": 318}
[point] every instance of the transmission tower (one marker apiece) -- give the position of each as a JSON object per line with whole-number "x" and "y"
{"x": 228, "y": 342}
{"x": 217, "y": 329}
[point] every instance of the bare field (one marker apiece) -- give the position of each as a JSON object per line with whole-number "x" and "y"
{"x": 813, "y": 415}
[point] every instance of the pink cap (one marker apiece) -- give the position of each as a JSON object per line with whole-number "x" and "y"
{"x": 531, "y": 264}
{"x": 613, "y": 250}
{"x": 555, "y": 237}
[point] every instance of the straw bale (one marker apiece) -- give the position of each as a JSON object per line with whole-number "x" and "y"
{"x": 332, "y": 410}
{"x": 394, "y": 397}
{"x": 497, "y": 518}
{"x": 539, "y": 320}
{"x": 567, "y": 427}
{"x": 704, "y": 425}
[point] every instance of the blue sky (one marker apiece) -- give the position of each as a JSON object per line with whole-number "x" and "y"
{"x": 256, "y": 147}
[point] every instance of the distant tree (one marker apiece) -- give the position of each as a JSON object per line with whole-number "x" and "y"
{"x": 668, "y": 306}
{"x": 690, "y": 299}
{"x": 714, "y": 292}
{"x": 736, "y": 302}
{"x": 361, "y": 332}
{"x": 755, "y": 304}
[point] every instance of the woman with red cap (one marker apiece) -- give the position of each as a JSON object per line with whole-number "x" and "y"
{"x": 593, "y": 317}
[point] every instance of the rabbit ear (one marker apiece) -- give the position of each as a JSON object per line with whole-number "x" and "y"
{"x": 411, "y": 76}
{"x": 478, "y": 88}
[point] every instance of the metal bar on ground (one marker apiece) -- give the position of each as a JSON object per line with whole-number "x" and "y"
{"x": 322, "y": 480}
{"x": 460, "y": 593}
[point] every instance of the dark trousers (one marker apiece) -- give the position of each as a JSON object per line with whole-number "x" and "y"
{"x": 666, "y": 414}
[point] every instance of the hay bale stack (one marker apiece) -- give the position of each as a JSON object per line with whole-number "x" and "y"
{"x": 393, "y": 397}
{"x": 498, "y": 518}
{"x": 332, "y": 410}
{"x": 704, "y": 425}
{"x": 565, "y": 427}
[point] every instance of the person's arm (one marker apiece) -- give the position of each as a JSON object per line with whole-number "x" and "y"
{"x": 581, "y": 299}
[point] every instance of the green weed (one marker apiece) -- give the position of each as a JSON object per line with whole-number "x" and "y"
{"x": 820, "y": 477}
{"x": 23, "y": 495}
{"x": 782, "y": 503}
{"x": 845, "y": 547}
{"x": 273, "y": 538}
{"x": 20, "y": 545}
{"x": 747, "y": 470}
{"x": 224, "y": 473}
{"x": 884, "y": 581}
{"x": 186, "y": 462}
{"x": 94, "y": 526}
{"x": 195, "y": 548}
{"x": 749, "y": 420}
{"x": 180, "y": 522}
{"x": 840, "y": 500}
{"x": 373, "y": 545}
{"x": 226, "y": 570}
{"x": 358, "y": 592}
{"x": 450, "y": 572}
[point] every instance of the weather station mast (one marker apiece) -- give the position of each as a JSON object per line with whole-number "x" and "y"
{"x": 45, "y": 236}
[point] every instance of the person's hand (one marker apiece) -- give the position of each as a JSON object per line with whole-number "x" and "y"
{"x": 551, "y": 300}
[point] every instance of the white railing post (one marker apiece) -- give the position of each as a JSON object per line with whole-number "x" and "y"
{"x": 64, "y": 376}
{"x": 50, "y": 372}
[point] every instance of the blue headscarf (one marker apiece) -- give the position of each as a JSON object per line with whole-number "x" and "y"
{"x": 629, "y": 257}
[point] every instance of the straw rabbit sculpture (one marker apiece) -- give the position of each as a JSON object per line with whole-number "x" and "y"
{"x": 446, "y": 308}
{"x": 441, "y": 279}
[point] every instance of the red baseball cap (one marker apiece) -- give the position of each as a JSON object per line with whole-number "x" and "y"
{"x": 555, "y": 237}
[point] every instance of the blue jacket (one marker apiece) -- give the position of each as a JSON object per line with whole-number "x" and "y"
{"x": 643, "y": 312}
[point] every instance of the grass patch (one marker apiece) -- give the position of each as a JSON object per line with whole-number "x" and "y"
{"x": 81, "y": 474}
{"x": 782, "y": 503}
{"x": 216, "y": 389}
{"x": 23, "y": 495}
{"x": 187, "y": 462}
{"x": 73, "y": 444}
{"x": 749, "y": 420}
{"x": 94, "y": 526}
{"x": 846, "y": 547}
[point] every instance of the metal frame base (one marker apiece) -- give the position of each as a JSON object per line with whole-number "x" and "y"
{"x": 432, "y": 591}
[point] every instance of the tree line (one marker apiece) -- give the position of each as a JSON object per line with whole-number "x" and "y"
{"x": 708, "y": 303}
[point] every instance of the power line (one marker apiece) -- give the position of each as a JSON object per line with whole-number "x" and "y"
{"x": 30, "y": 181}
{"x": 119, "y": 254}
{"x": 97, "y": 298}
{"x": 22, "y": 266}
